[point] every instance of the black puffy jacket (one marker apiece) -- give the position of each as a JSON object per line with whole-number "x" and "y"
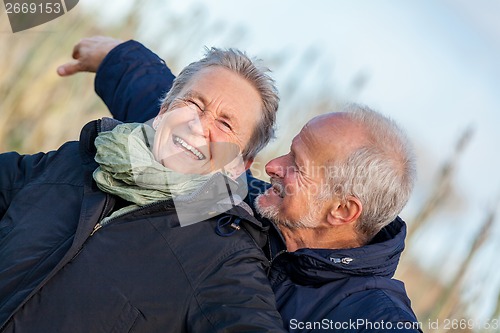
{"x": 142, "y": 272}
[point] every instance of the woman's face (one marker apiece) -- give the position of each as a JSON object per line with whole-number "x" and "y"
{"x": 208, "y": 125}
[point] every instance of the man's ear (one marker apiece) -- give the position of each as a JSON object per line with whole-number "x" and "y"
{"x": 345, "y": 213}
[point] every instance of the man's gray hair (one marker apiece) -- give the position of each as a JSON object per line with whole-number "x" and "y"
{"x": 251, "y": 70}
{"x": 381, "y": 173}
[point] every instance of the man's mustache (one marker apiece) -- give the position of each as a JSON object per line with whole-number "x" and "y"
{"x": 278, "y": 187}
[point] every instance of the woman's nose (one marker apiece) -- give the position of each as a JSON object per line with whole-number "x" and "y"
{"x": 199, "y": 127}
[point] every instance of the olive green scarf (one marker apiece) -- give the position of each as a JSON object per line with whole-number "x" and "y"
{"x": 128, "y": 169}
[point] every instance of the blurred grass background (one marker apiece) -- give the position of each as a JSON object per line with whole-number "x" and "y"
{"x": 39, "y": 111}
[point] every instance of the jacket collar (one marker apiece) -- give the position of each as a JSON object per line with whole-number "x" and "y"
{"x": 378, "y": 258}
{"x": 88, "y": 135}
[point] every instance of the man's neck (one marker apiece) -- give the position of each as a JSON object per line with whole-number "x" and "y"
{"x": 320, "y": 238}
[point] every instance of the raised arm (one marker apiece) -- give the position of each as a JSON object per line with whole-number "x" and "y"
{"x": 130, "y": 78}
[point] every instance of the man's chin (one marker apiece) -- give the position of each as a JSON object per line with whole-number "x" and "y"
{"x": 265, "y": 209}
{"x": 272, "y": 213}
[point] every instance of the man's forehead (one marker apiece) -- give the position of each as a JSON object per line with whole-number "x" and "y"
{"x": 336, "y": 125}
{"x": 328, "y": 136}
{"x": 312, "y": 134}
{"x": 304, "y": 143}
{"x": 329, "y": 121}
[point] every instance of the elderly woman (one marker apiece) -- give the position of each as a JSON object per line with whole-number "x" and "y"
{"x": 91, "y": 235}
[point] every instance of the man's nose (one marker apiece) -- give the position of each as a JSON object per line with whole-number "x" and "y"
{"x": 274, "y": 167}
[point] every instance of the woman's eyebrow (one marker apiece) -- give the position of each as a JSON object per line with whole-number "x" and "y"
{"x": 231, "y": 118}
{"x": 194, "y": 95}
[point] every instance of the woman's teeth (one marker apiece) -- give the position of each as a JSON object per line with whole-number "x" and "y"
{"x": 189, "y": 148}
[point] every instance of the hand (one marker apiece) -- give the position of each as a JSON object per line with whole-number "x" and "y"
{"x": 88, "y": 55}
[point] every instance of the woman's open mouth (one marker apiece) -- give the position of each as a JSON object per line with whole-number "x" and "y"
{"x": 187, "y": 147}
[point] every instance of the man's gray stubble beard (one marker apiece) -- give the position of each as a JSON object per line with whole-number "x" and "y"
{"x": 272, "y": 214}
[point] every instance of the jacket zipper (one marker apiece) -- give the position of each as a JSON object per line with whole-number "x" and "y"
{"x": 273, "y": 259}
{"x": 100, "y": 225}
{"x": 103, "y": 212}
{"x": 101, "y": 216}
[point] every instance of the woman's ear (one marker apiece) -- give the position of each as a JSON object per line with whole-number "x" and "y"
{"x": 159, "y": 117}
{"x": 157, "y": 120}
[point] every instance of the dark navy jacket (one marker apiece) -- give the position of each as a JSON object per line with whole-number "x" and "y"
{"x": 349, "y": 290}
{"x": 141, "y": 272}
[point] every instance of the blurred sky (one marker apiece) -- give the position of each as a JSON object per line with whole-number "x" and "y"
{"x": 432, "y": 65}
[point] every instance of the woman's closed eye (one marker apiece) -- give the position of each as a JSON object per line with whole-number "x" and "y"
{"x": 194, "y": 105}
{"x": 225, "y": 125}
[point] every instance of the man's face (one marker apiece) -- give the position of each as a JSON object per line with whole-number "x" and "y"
{"x": 299, "y": 176}
{"x": 209, "y": 123}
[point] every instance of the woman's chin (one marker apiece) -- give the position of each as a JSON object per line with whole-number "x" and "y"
{"x": 186, "y": 165}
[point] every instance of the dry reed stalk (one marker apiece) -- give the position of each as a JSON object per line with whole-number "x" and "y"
{"x": 448, "y": 305}
{"x": 40, "y": 110}
{"x": 443, "y": 185}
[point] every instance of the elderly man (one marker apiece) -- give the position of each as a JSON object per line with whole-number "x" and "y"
{"x": 334, "y": 198}
{"x": 91, "y": 235}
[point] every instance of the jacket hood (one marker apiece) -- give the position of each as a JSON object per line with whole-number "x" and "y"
{"x": 378, "y": 258}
